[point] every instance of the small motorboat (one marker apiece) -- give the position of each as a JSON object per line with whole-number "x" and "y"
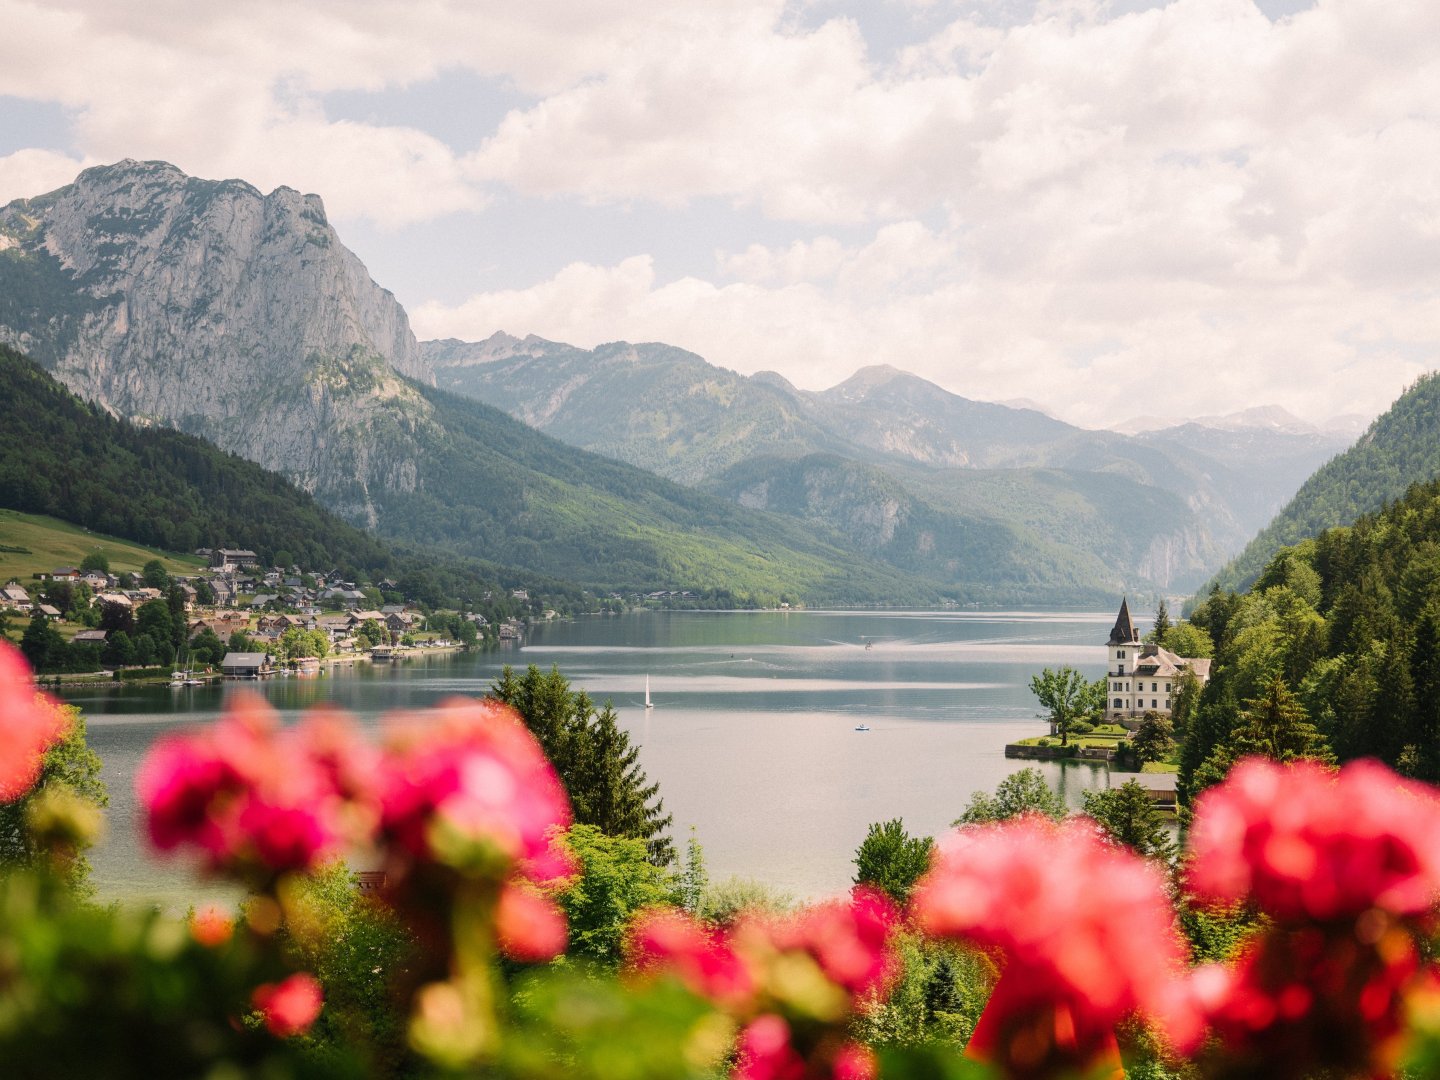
{"x": 862, "y": 727}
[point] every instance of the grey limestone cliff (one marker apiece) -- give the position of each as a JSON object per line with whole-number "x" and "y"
{"x": 217, "y": 309}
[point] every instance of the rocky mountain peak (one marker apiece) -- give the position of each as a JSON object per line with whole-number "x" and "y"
{"x": 215, "y": 308}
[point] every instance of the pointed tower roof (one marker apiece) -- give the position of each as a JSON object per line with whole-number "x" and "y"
{"x": 1124, "y": 631}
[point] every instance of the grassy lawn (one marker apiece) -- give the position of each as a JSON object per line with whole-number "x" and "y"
{"x": 1108, "y": 736}
{"x": 49, "y": 543}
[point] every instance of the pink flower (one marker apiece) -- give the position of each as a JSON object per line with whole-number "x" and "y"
{"x": 1085, "y": 930}
{"x": 1307, "y": 844}
{"x": 1301, "y": 1002}
{"x": 1347, "y": 867}
{"x": 290, "y": 1006}
{"x": 664, "y": 939}
{"x": 211, "y": 927}
{"x": 467, "y": 784}
{"x": 850, "y": 940}
{"x": 30, "y": 723}
{"x": 248, "y": 795}
{"x": 764, "y": 1052}
{"x": 528, "y": 927}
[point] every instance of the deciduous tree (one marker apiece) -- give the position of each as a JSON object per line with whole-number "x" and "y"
{"x": 892, "y": 860}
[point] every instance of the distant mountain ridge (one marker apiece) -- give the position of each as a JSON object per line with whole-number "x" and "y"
{"x": 1401, "y": 448}
{"x": 901, "y": 467}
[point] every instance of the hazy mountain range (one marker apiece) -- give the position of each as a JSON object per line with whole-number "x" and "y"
{"x": 240, "y": 317}
{"x": 931, "y": 481}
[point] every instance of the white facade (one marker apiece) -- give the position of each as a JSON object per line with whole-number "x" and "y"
{"x": 1143, "y": 678}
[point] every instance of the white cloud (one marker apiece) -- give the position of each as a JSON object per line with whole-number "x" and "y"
{"x": 32, "y": 172}
{"x": 1057, "y": 196}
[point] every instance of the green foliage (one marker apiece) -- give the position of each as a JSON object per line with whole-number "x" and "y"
{"x": 69, "y": 768}
{"x": 722, "y": 902}
{"x": 892, "y": 860}
{"x": 692, "y": 880}
{"x": 1021, "y": 792}
{"x": 129, "y": 994}
{"x": 1130, "y": 817}
{"x": 363, "y": 955}
{"x": 567, "y": 1022}
{"x": 207, "y": 648}
{"x": 239, "y": 641}
{"x": 370, "y": 634}
{"x": 1154, "y": 738}
{"x": 937, "y": 998}
{"x": 1272, "y": 726}
{"x": 1187, "y": 639}
{"x": 1067, "y": 696}
{"x": 154, "y": 576}
{"x": 1159, "y": 633}
{"x": 617, "y": 879}
{"x": 596, "y": 763}
{"x": 95, "y": 561}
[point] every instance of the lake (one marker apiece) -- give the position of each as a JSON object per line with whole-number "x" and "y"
{"x": 752, "y": 735}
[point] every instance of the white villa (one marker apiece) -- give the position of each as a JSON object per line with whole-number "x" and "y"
{"x": 1143, "y": 678}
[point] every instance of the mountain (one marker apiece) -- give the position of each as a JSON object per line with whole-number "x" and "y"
{"x": 233, "y": 315}
{"x": 1258, "y": 417}
{"x": 1401, "y": 448}
{"x": 902, "y": 468}
{"x": 67, "y": 459}
{"x": 239, "y": 317}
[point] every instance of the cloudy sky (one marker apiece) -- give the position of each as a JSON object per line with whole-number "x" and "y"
{"x": 1111, "y": 208}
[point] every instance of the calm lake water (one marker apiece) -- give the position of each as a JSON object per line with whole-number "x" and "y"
{"x": 752, "y": 736}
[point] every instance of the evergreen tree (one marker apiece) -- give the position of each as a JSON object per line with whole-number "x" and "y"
{"x": 1273, "y": 726}
{"x": 1129, "y": 816}
{"x": 1153, "y": 739}
{"x": 593, "y": 757}
{"x": 1162, "y": 625}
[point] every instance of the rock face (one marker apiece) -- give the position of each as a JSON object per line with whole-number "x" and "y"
{"x": 230, "y": 314}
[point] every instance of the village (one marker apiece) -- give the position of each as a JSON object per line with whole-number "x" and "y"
{"x": 245, "y": 620}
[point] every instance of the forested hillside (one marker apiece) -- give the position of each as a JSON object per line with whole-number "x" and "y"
{"x": 1335, "y": 650}
{"x": 1401, "y": 448}
{"x": 71, "y": 460}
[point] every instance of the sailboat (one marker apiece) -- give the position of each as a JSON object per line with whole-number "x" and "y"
{"x": 648, "y": 703}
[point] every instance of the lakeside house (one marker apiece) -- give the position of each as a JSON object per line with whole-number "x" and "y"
{"x": 1141, "y": 677}
{"x": 245, "y": 665}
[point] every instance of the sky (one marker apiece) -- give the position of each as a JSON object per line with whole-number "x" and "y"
{"x": 1109, "y": 207}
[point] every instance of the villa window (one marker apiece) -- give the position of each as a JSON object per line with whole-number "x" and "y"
{"x": 1119, "y": 704}
{"x": 1121, "y": 671}
{"x": 1120, "y": 654}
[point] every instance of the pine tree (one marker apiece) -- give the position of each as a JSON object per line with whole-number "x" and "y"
{"x": 1272, "y": 726}
{"x": 593, "y": 757}
{"x": 1129, "y": 816}
{"x": 1162, "y": 625}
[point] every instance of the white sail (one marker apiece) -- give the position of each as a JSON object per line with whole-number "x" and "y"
{"x": 648, "y": 703}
